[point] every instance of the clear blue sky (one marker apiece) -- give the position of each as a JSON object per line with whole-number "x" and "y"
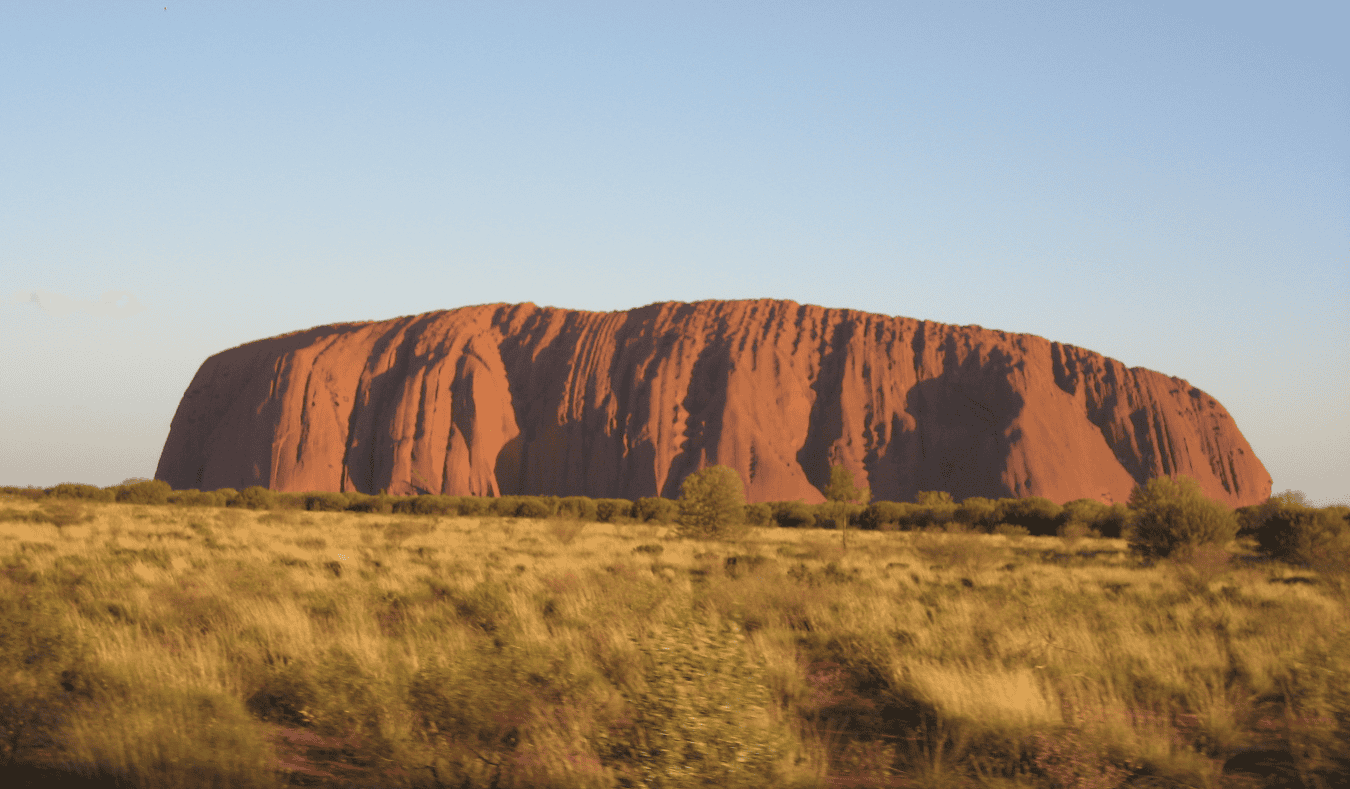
{"x": 1165, "y": 183}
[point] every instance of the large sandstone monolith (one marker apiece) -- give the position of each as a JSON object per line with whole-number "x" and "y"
{"x": 500, "y": 399}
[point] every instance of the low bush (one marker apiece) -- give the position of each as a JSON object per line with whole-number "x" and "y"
{"x": 27, "y": 493}
{"x": 1039, "y": 515}
{"x": 196, "y": 498}
{"x": 712, "y": 504}
{"x": 504, "y": 506}
{"x": 978, "y": 513}
{"x": 758, "y": 514}
{"x": 362, "y": 502}
{"x": 288, "y": 501}
{"x": 535, "y": 507}
{"x": 1011, "y": 530}
{"x": 431, "y": 505}
{"x": 578, "y": 507}
{"x": 1173, "y": 515}
{"x": 255, "y": 497}
{"x": 613, "y": 510}
{"x": 656, "y": 510}
{"x": 1317, "y": 539}
{"x": 469, "y": 506}
{"x": 884, "y": 515}
{"x": 793, "y": 514}
{"x": 151, "y": 491}
{"x": 326, "y": 502}
{"x": 75, "y": 490}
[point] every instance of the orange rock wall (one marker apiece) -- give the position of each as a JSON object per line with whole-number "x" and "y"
{"x": 501, "y": 399}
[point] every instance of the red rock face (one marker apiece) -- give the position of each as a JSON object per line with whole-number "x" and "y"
{"x": 502, "y": 399}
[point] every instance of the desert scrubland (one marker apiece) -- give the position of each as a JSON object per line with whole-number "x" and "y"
{"x": 185, "y": 646}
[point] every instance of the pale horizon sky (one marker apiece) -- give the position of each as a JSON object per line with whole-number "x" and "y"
{"x": 1167, "y": 184}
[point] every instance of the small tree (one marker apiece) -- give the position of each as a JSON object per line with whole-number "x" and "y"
{"x": 1173, "y": 517}
{"x": 845, "y": 499}
{"x": 712, "y": 504}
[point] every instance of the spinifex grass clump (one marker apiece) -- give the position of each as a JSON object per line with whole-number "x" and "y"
{"x": 182, "y": 646}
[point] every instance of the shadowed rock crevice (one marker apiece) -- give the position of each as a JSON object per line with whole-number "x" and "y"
{"x": 536, "y": 400}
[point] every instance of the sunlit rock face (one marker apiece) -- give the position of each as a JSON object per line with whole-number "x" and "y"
{"x": 502, "y": 399}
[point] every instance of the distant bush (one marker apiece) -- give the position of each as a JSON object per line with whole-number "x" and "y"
{"x": 1318, "y": 539}
{"x": 326, "y": 502}
{"x": 364, "y": 502}
{"x": 656, "y": 510}
{"x": 535, "y": 507}
{"x": 469, "y": 506}
{"x": 27, "y": 493}
{"x": 793, "y": 514}
{"x": 1011, "y": 531}
{"x": 712, "y": 504}
{"x": 255, "y": 497}
{"x": 75, "y": 490}
{"x": 432, "y": 505}
{"x": 838, "y": 514}
{"x": 1173, "y": 516}
{"x": 152, "y": 491}
{"x": 1039, "y": 515}
{"x": 288, "y": 501}
{"x": 934, "y": 498}
{"x": 228, "y": 494}
{"x": 758, "y": 514}
{"x": 197, "y": 498}
{"x": 504, "y": 506}
{"x": 579, "y": 507}
{"x": 977, "y": 513}
{"x": 613, "y": 510}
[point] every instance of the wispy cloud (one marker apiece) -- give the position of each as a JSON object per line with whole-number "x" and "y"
{"x": 113, "y": 304}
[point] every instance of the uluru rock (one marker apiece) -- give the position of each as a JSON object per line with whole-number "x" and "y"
{"x": 503, "y": 399}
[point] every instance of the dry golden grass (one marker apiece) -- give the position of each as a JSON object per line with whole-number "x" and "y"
{"x": 229, "y": 647}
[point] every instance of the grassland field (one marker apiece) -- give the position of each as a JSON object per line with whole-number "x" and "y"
{"x": 170, "y": 646}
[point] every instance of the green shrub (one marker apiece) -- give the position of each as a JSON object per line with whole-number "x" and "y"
{"x": 758, "y": 514}
{"x": 1039, "y": 515}
{"x": 793, "y": 514}
{"x": 838, "y": 514}
{"x": 1173, "y": 515}
{"x": 27, "y": 493}
{"x": 1011, "y": 531}
{"x": 656, "y": 510}
{"x": 580, "y": 507}
{"x": 535, "y": 507}
{"x": 363, "y": 502}
{"x": 75, "y": 490}
{"x": 613, "y": 510}
{"x": 504, "y": 506}
{"x": 151, "y": 491}
{"x": 196, "y": 498}
{"x": 326, "y": 502}
{"x": 433, "y": 505}
{"x": 977, "y": 513}
{"x": 255, "y": 497}
{"x": 1318, "y": 539}
{"x": 934, "y": 498}
{"x": 470, "y": 506}
{"x": 1115, "y": 521}
{"x": 228, "y": 495}
{"x": 842, "y": 487}
{"x": 712, "y": 504}
{"x": 885, "y": 515}
{"x": 288, "y": 501}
